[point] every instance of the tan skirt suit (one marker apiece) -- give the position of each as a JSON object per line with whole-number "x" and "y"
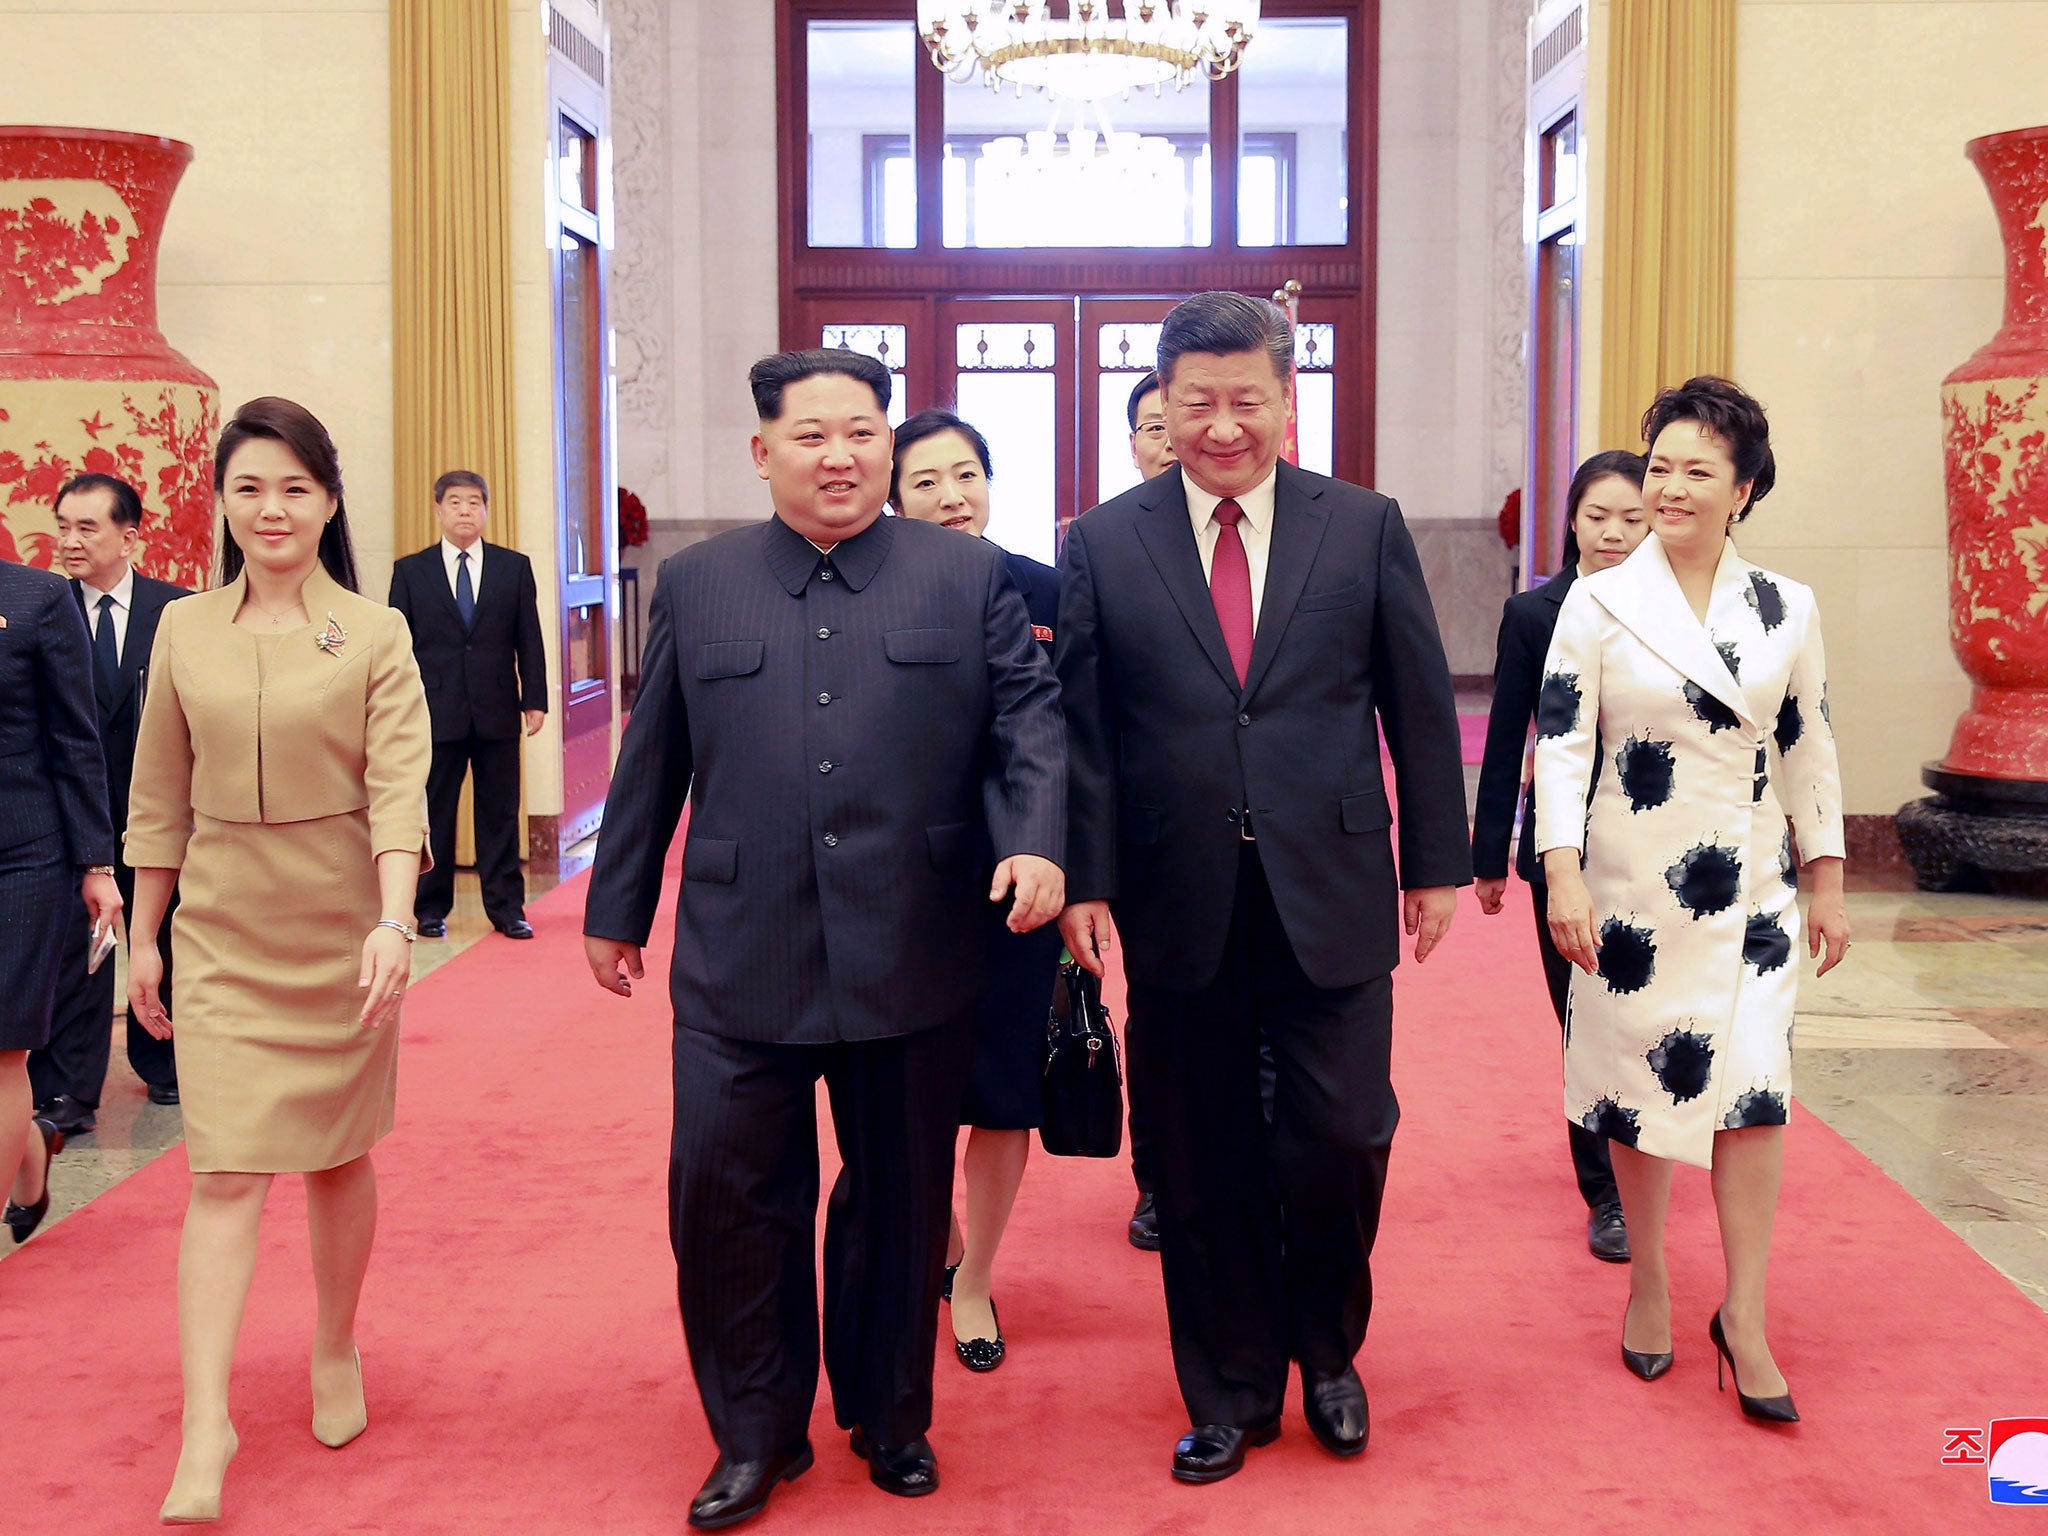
{"x": 270, "y": 771}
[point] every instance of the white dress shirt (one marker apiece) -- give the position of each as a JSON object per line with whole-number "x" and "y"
{"x": 1255, "y": 529}
{"x": 123, "y": 594}
{"x": 476, "y": 566}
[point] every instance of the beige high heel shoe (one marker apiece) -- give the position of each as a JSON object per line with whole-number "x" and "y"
{"x": 197, "y": 1508}
{"x": 336, "y": 1430}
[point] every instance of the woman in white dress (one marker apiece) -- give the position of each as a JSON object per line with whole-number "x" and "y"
{"x": 1686, "y": 689}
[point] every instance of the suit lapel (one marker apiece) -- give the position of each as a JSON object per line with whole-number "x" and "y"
{"x": 435, "y": 569}
{"x": 1169, "y": 539}
{"x": 1643, "y": 593}
{"x": 1296, "y": 536}
{"x": 144, "y": 605}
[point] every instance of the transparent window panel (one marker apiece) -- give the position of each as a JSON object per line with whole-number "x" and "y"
{"x": 1127, "y": 344}
{"x": 1115, "y": 473}
{"x": 1017, "y": 413}
{"x": 1315, "y": 346}
{"x": 1035, "y": 170}
{"x": 1006, "y": 345}
{"x": 1294, "y": 97}
{"x": 888, "y": 344}
{"x": 862, "y": 103}
{"x": 1315, "y": 396}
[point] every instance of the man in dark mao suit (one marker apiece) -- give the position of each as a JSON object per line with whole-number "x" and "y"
{"x": 475, "y": 619}
{"x": 99, "y": 526}
{"x": 1233, "y": 635}
{"x": 860, "y": 718}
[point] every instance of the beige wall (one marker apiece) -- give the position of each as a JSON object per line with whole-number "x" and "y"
{"x": 276, "y": 268}
{"x": 1867, "y": 264}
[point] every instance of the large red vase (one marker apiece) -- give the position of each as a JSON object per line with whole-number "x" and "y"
{"x": 87, "y": 381}
{"x": 1995, "y": 412}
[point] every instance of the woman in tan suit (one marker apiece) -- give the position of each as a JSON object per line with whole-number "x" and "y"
{"x": 280, "y": 784}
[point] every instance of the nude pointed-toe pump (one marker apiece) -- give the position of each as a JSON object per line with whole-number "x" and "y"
{"x": 336, "y": 1430}
{"x": 200, "y": 1508}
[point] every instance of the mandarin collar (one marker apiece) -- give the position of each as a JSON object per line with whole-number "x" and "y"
{"x": 795, "y": 559}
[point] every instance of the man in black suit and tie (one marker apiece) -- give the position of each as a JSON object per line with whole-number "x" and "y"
{"x": 99, "y": 522}
{"x": 475, "y": 620}
{"x": 1233, "y": 635}
{"x": 864, "y": 727}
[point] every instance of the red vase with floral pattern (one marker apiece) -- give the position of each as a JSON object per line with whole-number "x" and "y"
{"x": 1995, "y": 412}
{"x": 87, "y": 381}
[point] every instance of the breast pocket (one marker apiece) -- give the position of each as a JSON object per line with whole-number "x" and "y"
{"x": 915, "y": 646}
{"x": 1336, "y": 597}
{"x": 729, "y": 658}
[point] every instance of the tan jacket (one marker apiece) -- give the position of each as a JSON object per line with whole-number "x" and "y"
{"x": 323, "y": 731}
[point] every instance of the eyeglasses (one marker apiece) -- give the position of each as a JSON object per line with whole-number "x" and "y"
{"x": 1152, "y": 429}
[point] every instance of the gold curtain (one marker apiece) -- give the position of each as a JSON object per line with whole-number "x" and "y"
{"x": 451, "y": 235}
{"x": 1668, "y": 224}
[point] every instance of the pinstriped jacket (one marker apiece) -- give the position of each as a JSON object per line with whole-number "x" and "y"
{"x": 51, "y": 775}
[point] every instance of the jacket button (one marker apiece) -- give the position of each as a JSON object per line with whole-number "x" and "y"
{"x": 825, "y": 574}
{"x": 824, "y": 634}
{"x": 831, "y": 839}
{"x": 824, "y": 767}
{"x": 1231, "y": 817}
{"x": 1244, "y": 719}
{"x": 824, "y": 698}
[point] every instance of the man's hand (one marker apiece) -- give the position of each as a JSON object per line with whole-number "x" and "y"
{"x": 535, "y": 718}
{"x": 1041, "y": 887}
{"x": 1491, "y": 893}
{"x": 1086, "y": 928}
{"x": 1426, "y": 914}
{"x": 614, "y": 962}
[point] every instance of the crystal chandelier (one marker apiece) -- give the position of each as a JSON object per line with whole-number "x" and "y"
{"x": 1094, "y": 48}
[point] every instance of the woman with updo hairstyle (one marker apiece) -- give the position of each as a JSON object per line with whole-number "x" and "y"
{"x": 1686, "y": 689}
{"x": 941, "y": 476}
{"x": 280, "y": 785}
{"x": 1603, "y": 525}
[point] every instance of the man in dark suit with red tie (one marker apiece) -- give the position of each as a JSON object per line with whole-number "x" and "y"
{"x": 475, "y": 620}
{"x": 869, "y": 739}
{"x": 1234, "y": 635}
{"x": 99, "y": 527}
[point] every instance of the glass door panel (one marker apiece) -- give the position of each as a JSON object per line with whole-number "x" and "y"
{"x": 1012, "y": 378}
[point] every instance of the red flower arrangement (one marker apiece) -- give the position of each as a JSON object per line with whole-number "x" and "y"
{"x": 632, "y": 520}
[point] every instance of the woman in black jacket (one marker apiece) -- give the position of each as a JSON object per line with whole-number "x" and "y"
{"x": 1604, "y": 522}
{"x": 56, "y": 844}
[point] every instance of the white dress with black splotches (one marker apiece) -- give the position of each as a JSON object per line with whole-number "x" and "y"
{"x": 1706, "y": 748}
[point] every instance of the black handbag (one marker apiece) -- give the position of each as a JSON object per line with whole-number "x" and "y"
{"x": 1082, "y": 1086}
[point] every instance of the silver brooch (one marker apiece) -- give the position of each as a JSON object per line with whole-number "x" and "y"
{"x": 332, "y": 638}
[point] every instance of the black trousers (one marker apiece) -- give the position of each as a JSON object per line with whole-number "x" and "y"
{"x": 81, "y": 1034}
{"x": 495, "y": 809}
{"x": 743, "y": 1208}
{"x": 1266, "y": 1231}
{"x": 1590, "y": 1160}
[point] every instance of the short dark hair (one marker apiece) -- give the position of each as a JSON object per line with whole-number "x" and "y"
{"x": 1731, "y": 414}
{"x": 1144, "y": 387}
{"x": 1609, "y": 461}
{"x": 127, "y": 500}
{"x": 772, "y": 375}
{"x": 288, "y": 422}
{"x": 455, "y": 477}
{"x": 930, "y": 424}
{"x": 1225, "y": 323}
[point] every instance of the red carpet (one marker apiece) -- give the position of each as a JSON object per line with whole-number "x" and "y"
{"x": 526, "y": 1371}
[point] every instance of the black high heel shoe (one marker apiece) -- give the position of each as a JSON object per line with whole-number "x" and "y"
{"x": 1641, "y": 1362}
{"x": 1772, "y": 1410}
{"x": 22, "y": 1220}
{"x": 946, "y": 1290}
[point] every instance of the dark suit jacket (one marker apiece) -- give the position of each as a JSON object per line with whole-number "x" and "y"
{"x": 1526, "y": 623}
{"x": 52, "y": 778}
{"x": 854, "y": 750}
{"x": 478, "y": 679}
{"x": 120, "y": 715}
{"x": 1165, "y": 749}
{"x": 1040, "y": 586}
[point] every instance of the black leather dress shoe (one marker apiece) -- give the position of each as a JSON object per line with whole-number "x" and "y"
{"x": 518, "y": 928}
{"x": 68, "y": 1116}
{"x": 1145, "y": 1225}
{"x": 163, "y": 1093}
{"x": 1607, "y": 1233}
{"x": 737, "y": 1489}
{"x": 1336, "y": 1410}
{"x": 910, "y": 1471}
{"x": 432, "y": 928}
{"x": 1208, "y": 1453}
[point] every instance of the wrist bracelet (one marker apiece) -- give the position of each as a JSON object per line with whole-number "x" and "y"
{"x": 411, "y": 933}
{"x": 99, "y": 869}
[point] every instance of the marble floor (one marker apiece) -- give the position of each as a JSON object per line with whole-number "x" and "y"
{"x": 1928, "y": 1050}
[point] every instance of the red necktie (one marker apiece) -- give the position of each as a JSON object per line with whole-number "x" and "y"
{"x": 1230, "y": 588}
